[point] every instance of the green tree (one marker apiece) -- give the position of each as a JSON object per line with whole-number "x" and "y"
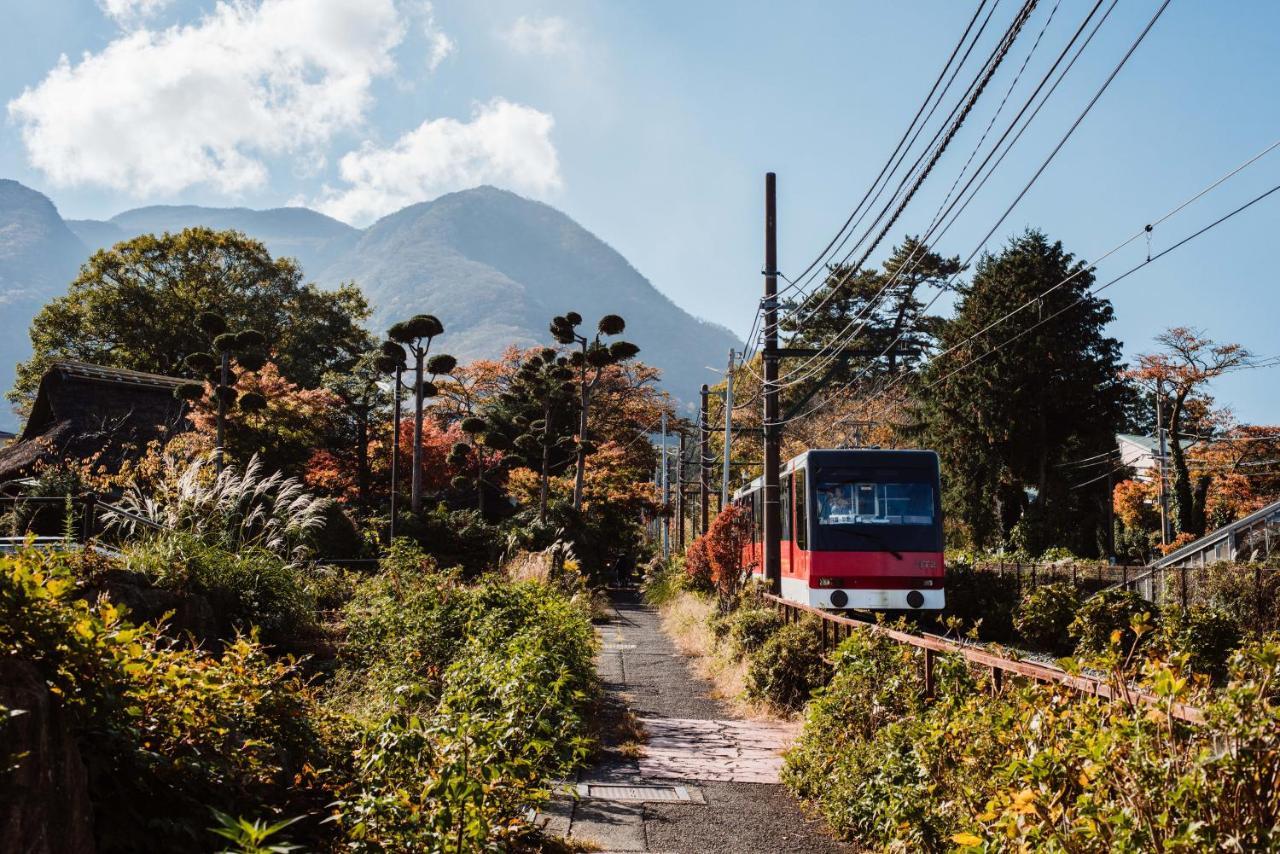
{"x": 536, "y": 416}
{"x": 882, "y": 307}
{"x": 132, "y": 305}
{"x": 1006, "y": 413}
{"x": 364, "y": 402}
{"x": 590, "y": 359}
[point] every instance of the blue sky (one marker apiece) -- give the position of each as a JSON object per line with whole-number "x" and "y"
{"x": 653, "y": 122}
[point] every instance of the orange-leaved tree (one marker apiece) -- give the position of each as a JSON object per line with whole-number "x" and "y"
{"x": 727, "y": 540}
{"x": 1187, "y": 362}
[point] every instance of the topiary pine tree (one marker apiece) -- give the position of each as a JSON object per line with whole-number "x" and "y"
{"x": 249, "y": 348}
{"x": 479, "y": 452}
{"x": 589, "y": 361}
{"x": 416, "y": 335}
{"x": 363, "y": 401}
{"x": 536, "y": 415}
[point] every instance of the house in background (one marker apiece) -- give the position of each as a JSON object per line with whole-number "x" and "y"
{"x": 83, "y": 411}
{"x": 1140, "y": 453}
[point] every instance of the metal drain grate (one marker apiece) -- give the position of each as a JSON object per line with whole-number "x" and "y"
{"x": 616, "y": 647}
{"x": 623, "y": 792}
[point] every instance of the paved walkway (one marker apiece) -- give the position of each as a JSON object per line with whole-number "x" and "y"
{"x": 704, "y": 781}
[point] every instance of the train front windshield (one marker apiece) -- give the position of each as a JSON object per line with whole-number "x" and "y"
{"x": 843, "y": 503}
{"x": 875, "y": 508}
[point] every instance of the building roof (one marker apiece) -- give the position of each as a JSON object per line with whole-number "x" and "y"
{"x": 82, "y": 410}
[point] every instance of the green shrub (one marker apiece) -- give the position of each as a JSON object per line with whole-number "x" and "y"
{"x": 981, "y": 598}
{"x": 249, "y": 588}
{"x": 664, "y": 581}
{"x": 1108, "y": 612}
{"x": 165, "y": 732}
{"x": 750, "y": 628}
{"x": 1206, "y": 637}
{"x": 1041, "y": 767}
{"x": 1244, "y": 593}
{"x": 1045, "y": 614}
{"x": 789, "y": 667}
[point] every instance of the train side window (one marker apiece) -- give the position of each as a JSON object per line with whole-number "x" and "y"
{"x": 784, "y": 505}
{"x": 801, "y": 502}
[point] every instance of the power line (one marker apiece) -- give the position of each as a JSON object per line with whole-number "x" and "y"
{"x": 944, "y": 212}
{"x": 813, "y": 265}
{"x": 949, "y": 121}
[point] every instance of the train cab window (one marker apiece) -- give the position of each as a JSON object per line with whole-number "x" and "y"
{"x": 875, "y": 503}
{"x": 801, "y": 500}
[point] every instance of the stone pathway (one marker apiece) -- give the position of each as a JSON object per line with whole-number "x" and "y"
{"x": 704, "y": 782}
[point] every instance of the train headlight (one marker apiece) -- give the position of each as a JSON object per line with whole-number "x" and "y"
{"x": 914, "y": 598}
{"x": 839, "y": 598}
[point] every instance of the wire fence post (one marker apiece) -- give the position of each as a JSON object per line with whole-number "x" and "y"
{"x": 929, "y": 656}
{"x": 1182, "y": 585}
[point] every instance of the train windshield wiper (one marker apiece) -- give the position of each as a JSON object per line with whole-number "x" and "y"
{"x": 879, "y": 540}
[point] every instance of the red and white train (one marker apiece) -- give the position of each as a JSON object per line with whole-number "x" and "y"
{"x": 861, "y": 529}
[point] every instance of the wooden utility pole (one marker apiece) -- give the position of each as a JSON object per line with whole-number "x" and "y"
{"x": 704, "y": 463}
{"x": 680, "y": 495}
{"x": 772, "y": 427}
{"x": 666, "y": 496}
{"x": 395, "y": 447}
{"x": 728, "y": 433}
{"x": 1164, "y": 475}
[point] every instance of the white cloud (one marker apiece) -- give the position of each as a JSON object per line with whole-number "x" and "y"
{"x": 439, "y": 44}
{"x": 545, "y": 36}
{"x": 160, "y": 111}
{"x": 131, "y": 12}
{"x": 505, "y": 144}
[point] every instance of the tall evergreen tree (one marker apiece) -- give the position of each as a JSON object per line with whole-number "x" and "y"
{"x": 882, "y": 306}
{"x": 1006, "y": 424}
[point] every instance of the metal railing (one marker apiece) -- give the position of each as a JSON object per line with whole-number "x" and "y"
{"x": 835, "y": 627}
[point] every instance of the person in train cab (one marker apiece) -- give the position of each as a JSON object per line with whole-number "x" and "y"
{"x": 832, "y": 502}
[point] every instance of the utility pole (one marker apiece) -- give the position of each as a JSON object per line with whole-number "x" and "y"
{"x": 728, "y": 432}
{"x": 680, "y": 496}
{"x": 395, "y": 447}
{"x": 1164, "y": 486}
{"x": 772, "y": 429}
{"x": 666, "y": 496}
{"x": 704, "y": 462}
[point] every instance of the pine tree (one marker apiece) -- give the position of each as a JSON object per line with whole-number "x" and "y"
{"x": 1006, "y": 423}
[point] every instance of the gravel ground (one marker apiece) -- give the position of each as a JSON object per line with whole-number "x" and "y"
{"x": 641, "y": 666}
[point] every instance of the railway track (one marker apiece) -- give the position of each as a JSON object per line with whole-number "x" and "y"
{"x": 835, "y": 627}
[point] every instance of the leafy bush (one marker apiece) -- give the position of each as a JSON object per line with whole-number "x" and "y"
{"x": 1206, "y": 637}
{"x": 498, "y": 687}
{"x": 1108, "y": 612}
{"x": 165, "y": 733}
{"x": 750, "y": 628}
{"x": 1041, "y": 767}
{"x": 1244, "y": 593}
{"x": 513, "y": 694}
{"x": 664, "y": 581}
{"x": 1045, "y": 614}
{"x": 249, "y": 588}
{"x": 697, "y": 566}
{"x": 726, "y": 539}
{"x": 789, "y": 667}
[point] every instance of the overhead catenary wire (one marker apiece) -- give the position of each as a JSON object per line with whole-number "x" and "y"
{"x": 950, "y": 126}
{"x": 846, "y": 228}
{"x": 951, "y": 213}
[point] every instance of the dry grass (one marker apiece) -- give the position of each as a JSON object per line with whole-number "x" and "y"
{"x": 686, "y": 620}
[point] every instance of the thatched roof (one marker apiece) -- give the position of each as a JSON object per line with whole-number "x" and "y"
{"x": 82, "y": 410}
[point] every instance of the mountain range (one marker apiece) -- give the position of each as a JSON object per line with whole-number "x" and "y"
{"x": 494, "y": 266}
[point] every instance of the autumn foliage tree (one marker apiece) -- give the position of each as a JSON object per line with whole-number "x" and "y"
{"x": 1187, "y": 362}
{"x": 726, "y": 543}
